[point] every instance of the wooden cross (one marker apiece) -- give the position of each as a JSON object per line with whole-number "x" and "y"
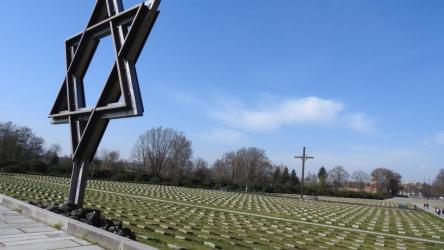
{"x": 303, "y": 157}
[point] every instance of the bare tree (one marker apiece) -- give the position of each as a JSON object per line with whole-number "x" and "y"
{"x": 200, "y": 163}
{"x": 19, "y": 144}
{"x": 156, "y": 145}
{"x": 201, "y": 172}
{"x": 139, "y": 154}
{"x": 311, "y": 179}
{"x": 221, "y": 171}
{"x": 361, "y": 178}
{"x": 253, "y": 167}
{"x": 231, "y": 161}
{"x": 53, "y": 153}
{"x": 55, "y": 148}
{"x": 386, "y": 180}
{"x": 338, "y": 176}
{"x": 161, "y": 149}
{"x": 438, "y": 184}
{"x": 179, "y": 163}
{"x": 378, "y": 176}
{"x": 246, "y": 166}
{"x": 110, "y": 159}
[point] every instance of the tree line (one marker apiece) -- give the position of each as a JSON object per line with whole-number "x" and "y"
{"x": 435, "y": 189}
{"x": 165, "y": 156}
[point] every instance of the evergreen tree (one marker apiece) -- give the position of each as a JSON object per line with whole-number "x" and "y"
{"x": 277, "y": 176}
{"x": 322, "y": 176}
{"x": 285, "y": 176}
{"x": 294, "y": 178}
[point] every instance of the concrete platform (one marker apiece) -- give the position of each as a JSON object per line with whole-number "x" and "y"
{"x": 20, "y": 232}
{"x": 72, "y": 227}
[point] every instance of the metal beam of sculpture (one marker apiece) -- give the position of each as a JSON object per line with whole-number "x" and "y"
{"x": 120, "y": 96}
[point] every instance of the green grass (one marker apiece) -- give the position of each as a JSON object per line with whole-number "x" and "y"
{"x": 167, "y": 216}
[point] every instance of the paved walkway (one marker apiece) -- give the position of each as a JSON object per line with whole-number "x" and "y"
{"x": 433, "y": 204}
{"x": 20, "y": 232}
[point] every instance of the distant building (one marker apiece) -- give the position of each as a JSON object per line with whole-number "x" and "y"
{"x": 369, "y": 187}
{"x": 411, "y": 188}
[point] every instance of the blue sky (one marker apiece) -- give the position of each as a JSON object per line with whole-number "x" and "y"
{"x": 359, "y": 83}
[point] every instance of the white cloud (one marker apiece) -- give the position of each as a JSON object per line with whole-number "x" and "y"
{"x": 224, "y": 135}
{"x": 184, "y": 98}
{"x": 270, "y": 116}
{"x": 360, "y": 122}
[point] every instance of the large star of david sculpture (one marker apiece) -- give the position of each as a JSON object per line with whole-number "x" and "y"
{"x": 120, "y": 96}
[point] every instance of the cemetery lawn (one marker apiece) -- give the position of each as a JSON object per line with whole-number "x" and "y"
{"x": 176, "y": 217}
